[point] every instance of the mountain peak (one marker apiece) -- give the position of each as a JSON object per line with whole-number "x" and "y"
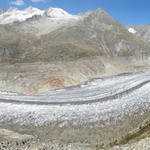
{"x": 13, "y": 14}
{"x": 57, "y": 13}
{"x": 99, "y": 10}
{"x": 98, "y": 16}
{"x": 2, "y": 11}
{"x": 11, "y": 9}
{"x": 31, "y": 9}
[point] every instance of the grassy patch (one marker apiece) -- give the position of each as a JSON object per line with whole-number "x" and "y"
{"x": 141, "y": 133}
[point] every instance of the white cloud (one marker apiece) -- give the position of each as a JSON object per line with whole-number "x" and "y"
{"x": 36, "y": 1}
{"x": 18, "y": 2}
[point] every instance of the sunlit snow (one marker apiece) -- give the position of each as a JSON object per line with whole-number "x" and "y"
{"x": 13, "y": 15}
{"x": 132, "y": 30}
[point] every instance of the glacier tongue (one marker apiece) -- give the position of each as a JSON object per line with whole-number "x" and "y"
{"x": 132, "y": 98}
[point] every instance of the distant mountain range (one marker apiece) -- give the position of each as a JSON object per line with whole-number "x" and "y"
{"x": 14, "y": 15}
{"x": 75, "y": 47}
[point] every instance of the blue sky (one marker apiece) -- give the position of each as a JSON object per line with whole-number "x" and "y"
{"x": 128, "y": 12}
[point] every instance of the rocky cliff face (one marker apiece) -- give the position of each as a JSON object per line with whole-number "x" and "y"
{"x": 70, "y": 48}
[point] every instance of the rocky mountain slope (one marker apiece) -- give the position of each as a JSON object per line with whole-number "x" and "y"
{"x": 48, "y": 49}
{"x": 142, "y": 31}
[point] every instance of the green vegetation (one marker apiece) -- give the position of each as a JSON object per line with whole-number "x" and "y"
{"x": 141, "y": 133}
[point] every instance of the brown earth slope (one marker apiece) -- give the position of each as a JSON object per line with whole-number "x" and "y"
{"x": 93, "y": 46}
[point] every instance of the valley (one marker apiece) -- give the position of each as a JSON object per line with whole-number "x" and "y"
{"x": 72, "y": 81}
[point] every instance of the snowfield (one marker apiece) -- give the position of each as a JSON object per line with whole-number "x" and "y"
{"x": 96, "y": 101}
{"x": 13, "y": 14}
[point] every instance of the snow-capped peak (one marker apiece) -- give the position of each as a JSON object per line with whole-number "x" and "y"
{"x": 132, "y": 30}
{"x": 13, "y": 14}
{"x": 33, "y": 10}
{"x": 11, "y": 9}
{"x": 58, "y": 13}
{"x": 2, "y": 11}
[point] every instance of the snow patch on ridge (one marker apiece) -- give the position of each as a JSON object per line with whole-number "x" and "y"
{"x": 132, "y": 30}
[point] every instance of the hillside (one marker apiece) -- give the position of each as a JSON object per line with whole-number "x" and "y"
{"x": 49, "y": 49}
{"x": 142, "y": 31}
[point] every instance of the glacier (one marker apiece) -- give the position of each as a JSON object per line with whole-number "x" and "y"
{"x": 97, "y": 101}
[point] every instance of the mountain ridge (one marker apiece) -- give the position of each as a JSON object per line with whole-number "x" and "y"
{"x": 143, "y": 31}
{"x": 49, "y": 53}
{"x": 23, "y": 15}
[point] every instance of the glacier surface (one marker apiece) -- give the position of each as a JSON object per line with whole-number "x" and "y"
{"x": 96, "y": 101}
